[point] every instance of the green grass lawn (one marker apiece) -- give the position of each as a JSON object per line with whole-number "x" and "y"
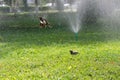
{"x": 43, "y": 54}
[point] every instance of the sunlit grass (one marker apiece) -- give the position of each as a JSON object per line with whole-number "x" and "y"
{"x": 43, "y": 54}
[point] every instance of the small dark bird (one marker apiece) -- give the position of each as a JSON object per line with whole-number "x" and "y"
{"x": 73, "y": 52}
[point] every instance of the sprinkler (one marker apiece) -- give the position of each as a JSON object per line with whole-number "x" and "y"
{"x": 76, "y": 36}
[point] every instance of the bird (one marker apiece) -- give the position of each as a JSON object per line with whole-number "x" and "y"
{"x": 73, "y": 52}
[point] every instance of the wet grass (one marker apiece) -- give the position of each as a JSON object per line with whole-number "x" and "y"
{"x": 43, "y": 54}
{"x": 30, "y": 53}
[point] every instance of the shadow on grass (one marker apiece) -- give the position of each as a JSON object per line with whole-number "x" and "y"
{"x": 48, "y": 36}
{"x": 14, "y": 38}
